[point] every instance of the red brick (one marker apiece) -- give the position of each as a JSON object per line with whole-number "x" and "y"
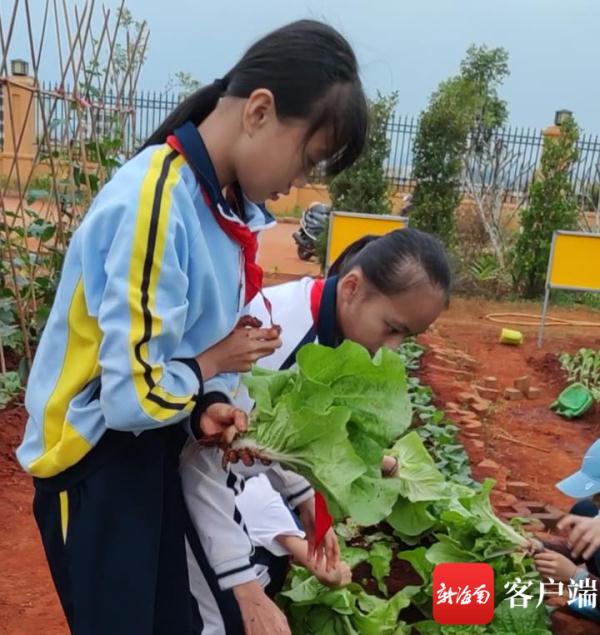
{"x": 462, "y": 374}
{"x": 467, "y": 397}
{"x": 465, "y": 360}
{"x": 458, "y": 384}
{"x": 502, "y": 499}
{"x": 481, "y": 407}
{"x": 490, "y": 469}
{"x": 533, "y": 524}
{"x": 534, "y": 506}
{"x": 522, "y": 510}
{"x": 491, "y": 382}
{"x": 549, "y": 518}
{"x": 534, "y": 393}
{"x": 522, "y": 383}
{"x": 512, "y": 394}
{"x": 500, "y": 479}
{"x": 487, "y": 393}
{"x": 488, "y": 464}
{"x": 475, "y": 449}
{"x": 444, "y": 360}
{"x": 474, "y": 426}
{"x": 518, "y": 488}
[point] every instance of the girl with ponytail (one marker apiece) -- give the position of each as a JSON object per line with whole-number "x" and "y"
{"x": 140, "y": 349}
{"x": 379, "y": 291}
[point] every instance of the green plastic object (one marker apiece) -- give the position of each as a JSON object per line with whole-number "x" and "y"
{"x": 574, "y": 401}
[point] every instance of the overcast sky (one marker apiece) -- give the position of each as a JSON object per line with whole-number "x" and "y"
{"x": 404, "y": 45}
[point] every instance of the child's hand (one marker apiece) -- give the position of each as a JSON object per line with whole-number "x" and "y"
{"x": 239, "y": 350}
{"x": 552, "y": 564}
{"x": 338, "y": 577}
{"x": 222, "y": 422}
{"x": 534, "y": 546}
{"x": 584, "y": 534}
{"x": 327, "y": 553}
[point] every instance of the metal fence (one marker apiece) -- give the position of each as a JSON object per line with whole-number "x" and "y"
{"x": 521, "y": 147}
{"x": 138, "y": 116}
{"x": 521, "y": 150}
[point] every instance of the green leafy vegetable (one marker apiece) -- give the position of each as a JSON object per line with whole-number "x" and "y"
{"x": 410, "y": 519}
{"x": 330, "y": 419}
{"x": 10, "y": 387}
{"x": 419, "y": 479}
{"x": 352, "y": 556}
{"x": 433, "y": 502}
{"x": 380, "y": 558}
{"x": 314, "y": 609}
{"x": 518, "y": 620}
{"x": 529, "y": 620}
{"x": 470, "y": 517}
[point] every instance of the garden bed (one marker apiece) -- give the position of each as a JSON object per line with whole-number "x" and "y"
{"x": 28, "y": 602}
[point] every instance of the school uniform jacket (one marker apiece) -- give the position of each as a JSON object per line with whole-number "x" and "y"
{"x": 150, "y": 280}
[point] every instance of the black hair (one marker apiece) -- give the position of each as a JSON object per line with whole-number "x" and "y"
{"x": 313, "y": 74}
{"x": 397, "y": 261}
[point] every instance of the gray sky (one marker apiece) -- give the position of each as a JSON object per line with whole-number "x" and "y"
{"x": 404, "y": 45}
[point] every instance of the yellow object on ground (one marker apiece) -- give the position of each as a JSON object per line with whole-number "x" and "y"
{"x": 508, "y": 336}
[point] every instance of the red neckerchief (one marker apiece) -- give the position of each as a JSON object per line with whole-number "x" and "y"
{"x": 323, "y": 519}
{"x": 239, "y": 232}
{"x": 316, "y": 294}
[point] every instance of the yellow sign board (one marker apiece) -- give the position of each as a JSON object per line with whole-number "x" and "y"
{"x": 347, "y": 227}
{"x": 575, "y": 261}
{"x": 574, "y": 264}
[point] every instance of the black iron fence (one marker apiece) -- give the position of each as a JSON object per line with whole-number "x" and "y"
{"x": 518, "y": 148}
{"x": 132, "y": 117}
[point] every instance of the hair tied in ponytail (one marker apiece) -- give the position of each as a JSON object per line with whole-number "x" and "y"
{"x": 221, "y": 84}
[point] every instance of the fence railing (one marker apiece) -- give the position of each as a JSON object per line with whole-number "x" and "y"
{"x": 521, "y": 146}
{"x": 146, "y": 111}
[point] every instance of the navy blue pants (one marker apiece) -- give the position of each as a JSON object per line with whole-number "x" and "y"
{"x": 113, "y": 528}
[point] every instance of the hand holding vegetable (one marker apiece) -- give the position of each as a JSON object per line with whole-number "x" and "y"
{"x": 552, "y": 564}
{"x": 222, "y": 435}
{"x": 534, "y": 546}
{"x": 221, "y": 422}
